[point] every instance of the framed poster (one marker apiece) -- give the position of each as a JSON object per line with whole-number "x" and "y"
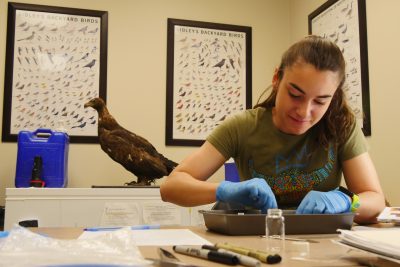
{"x": 344, "y": 22}
{"x": 56, "y": 60}
{"x": 208, "y": 78}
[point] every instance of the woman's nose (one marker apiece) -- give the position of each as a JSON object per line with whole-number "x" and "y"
{"x": 303, "y": 110}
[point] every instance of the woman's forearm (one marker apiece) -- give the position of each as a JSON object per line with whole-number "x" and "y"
{"x": 182, "y": 189}
{"x": 371, "y": 204}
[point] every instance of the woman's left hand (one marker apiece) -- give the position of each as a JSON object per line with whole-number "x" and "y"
{"x": 332, "y": 202}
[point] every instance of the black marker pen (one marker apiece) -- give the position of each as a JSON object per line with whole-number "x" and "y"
{"x": 207, "y": 254}
{"x": 243, "y": 259}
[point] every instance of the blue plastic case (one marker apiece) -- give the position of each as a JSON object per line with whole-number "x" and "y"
{"x": 52, "y": 146}
{"x": 231, "y": 172}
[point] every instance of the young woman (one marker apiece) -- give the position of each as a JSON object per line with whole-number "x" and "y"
{"x": 292, "y": 149}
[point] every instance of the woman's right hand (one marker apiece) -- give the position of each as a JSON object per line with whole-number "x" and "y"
{"x": 254, "y": 192}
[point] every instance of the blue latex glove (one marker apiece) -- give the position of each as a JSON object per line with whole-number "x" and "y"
{"x": 255, "y": 193}
{"x": 332, "y": 202}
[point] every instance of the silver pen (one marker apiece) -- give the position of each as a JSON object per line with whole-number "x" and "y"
{"x": 295, "y": 239}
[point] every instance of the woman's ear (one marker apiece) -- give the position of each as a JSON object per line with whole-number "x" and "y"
{"x": 276, "y": 79}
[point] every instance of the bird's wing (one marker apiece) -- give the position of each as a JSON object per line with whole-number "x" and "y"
{"x": 137, "y": 140}
{"x": 136, "y": 159}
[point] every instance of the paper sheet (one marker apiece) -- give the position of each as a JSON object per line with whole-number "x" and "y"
{"x": 390, "y": 214}
{"x": 161, "y": 213}
{"x": 381, "y": 241}
{"x": 359, "y": 249}
{"x": 120, "y": 213}
{"x": 158, "y": 237}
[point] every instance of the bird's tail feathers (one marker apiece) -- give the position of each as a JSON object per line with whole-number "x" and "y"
{"x": 169, "y": 164}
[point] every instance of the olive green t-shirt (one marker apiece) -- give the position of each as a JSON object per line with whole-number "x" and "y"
{"x": 291, "y": 164}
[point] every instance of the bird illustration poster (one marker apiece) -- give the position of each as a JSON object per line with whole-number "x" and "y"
{"x": 342, "y": 21}
{"x": 55, "y": 70}
{"x": 210, "y": 78}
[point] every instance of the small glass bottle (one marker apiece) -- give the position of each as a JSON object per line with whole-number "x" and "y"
{"x": 275, "y": 231}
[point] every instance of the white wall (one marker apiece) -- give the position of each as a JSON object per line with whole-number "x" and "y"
{"x": 136, "y": 86}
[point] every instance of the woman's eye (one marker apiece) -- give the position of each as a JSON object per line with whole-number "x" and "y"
{"x": 293, "y": 95}
{"x": 319, "y": 102}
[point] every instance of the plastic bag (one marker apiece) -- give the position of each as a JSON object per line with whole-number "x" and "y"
{"x": 23, "y": 247}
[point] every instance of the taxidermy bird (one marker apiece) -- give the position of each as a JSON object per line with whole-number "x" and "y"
{"x": 130, "y": 150}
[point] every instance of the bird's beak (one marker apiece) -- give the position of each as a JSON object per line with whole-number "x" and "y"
{"x": 87, "y": 105}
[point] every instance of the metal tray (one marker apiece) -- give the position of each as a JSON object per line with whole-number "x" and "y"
{"x": 252, "y": 222}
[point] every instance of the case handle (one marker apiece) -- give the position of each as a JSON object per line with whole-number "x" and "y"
{"x": 43, "y": 133}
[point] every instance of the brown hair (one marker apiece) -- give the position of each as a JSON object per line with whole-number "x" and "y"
{"x": 336, "y": 124}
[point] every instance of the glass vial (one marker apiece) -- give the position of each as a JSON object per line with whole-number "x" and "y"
{"x": 275, "y": 231}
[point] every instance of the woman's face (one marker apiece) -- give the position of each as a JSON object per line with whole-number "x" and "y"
{"x": 303, "y": 97}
